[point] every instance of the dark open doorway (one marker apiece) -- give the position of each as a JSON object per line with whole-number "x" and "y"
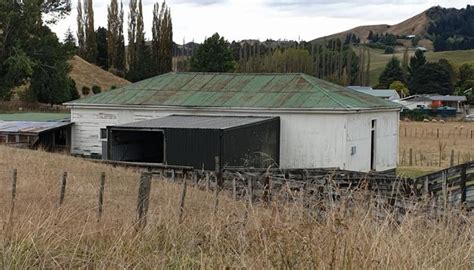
{"x": 137, "y": 146}
{"x": 373, "y": 144}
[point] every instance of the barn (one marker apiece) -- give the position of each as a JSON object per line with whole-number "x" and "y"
{"x": 320, "y": 124}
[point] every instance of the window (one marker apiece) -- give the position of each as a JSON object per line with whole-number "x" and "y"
{"x": 103, "y": 134}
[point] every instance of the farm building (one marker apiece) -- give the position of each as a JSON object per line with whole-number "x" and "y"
{"x": 49, "y": 131}
{"x": 388, "y": 94}
{"x": 459, "y": 103}
{"x": 306, "y": 122}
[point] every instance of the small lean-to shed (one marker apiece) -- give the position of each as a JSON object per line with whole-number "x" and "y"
{"x": 196, "y": 140}
{"x": 321, "y": 124}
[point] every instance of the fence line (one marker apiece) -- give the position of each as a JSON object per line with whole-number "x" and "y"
{"x": 449, "y": 187}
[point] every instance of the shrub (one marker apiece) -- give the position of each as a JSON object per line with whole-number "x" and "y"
{"x": 113, "y": 87}
{"x": 86, "y": 90}
{"x": 96, "y": 89}
{"x": 389, "y": 50}
{"x": 73, "y": 90}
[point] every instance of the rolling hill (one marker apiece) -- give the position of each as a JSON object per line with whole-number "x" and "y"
{"x": 416, "y": 25}
{"x": 87, "y": 74}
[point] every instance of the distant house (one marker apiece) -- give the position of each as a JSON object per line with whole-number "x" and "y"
{"x": 423, "y": 49}
{"x": 388, "y": 94}
{"x": 411, "y": 36}
{"x": 435, "y": 101}
{"x": 49, "y": 131}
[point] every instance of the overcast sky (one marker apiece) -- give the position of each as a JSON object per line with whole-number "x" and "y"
{"x": 263, "y": 19}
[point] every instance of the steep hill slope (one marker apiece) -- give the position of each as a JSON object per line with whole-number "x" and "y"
{"x": 87, "y": 74}
{"x": 416, "y": 25}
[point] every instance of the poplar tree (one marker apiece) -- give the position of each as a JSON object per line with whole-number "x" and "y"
{"x": 115, "y": 41}
{"x": 155, "y": 42}
{"x": 165, "y": 55}
{"x": 90, "y": 35}
{"x": 81, "y": 38}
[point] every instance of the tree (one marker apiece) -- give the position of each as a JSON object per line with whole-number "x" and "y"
{"x": 73, "y": 90}
{"x": 417, "y": 61}
{"x": 81, "y": 35}
{"x": 214, "y": 55}
{"x": 90, "y": 36}
{"x": 102, "y": 48}
{"x": 405, "y": 63}
{"x": 139, "y": 58}
{"x": 27, "y": 46}
{"x": 70, "y": 41}
{"x": 115, "y": 39}
{"x": 165, "y": 53}
{"x": 50, "y": 80}
{"x": 431, "y": 78}
{"x": 392, "y": 72}
{"x": 400, "y": 87}
{"x": 448, "y": 67}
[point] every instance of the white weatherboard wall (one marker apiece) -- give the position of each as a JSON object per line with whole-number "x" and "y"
{"x": 307, "y": 140}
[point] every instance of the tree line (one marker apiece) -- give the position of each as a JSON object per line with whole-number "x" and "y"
{"x": 418, "y": 76}
{"x": 106, "y": 48}
{"x": 332, "y": 60}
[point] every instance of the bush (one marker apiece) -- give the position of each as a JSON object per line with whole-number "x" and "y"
{"x": 389, "y": 50}
{"x": 73, "y": 90}
{"x": 86, "y": 90}
{"x": 414, "y": 115}
{"x": 96, "y": 89}
{"x": 113, "y": 87}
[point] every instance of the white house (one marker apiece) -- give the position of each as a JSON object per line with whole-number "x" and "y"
{"x": 388, "y": 94}
{"x": 321, "y": 124}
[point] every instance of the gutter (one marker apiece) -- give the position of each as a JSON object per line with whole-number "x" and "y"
{"x": 227, "y": 109}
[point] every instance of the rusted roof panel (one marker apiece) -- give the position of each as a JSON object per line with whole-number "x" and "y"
{"x": 239, "y": 91}
{"x": 29, "y": 127}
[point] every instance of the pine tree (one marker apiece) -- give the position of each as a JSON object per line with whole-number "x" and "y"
{"x": 90, "y": 35}
{"x": 405, "y": 63}
{"x": 70, "y": 42}
{"x": 392, "y": 72}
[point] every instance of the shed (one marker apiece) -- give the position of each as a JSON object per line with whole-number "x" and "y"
{"x": 196, "y": 140}
{"x": 50, "y": 136}
{"x": 321, "y": 124}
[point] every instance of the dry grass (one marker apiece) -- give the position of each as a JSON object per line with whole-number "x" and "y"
{"x": 283, "y": 235}
{"x": 427, "y": 146}
{"x": 87, "y": 74}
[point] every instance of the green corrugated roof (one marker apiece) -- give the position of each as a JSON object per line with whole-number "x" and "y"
{"x": 239, "y": 90}
{"x": 35, "y": 117}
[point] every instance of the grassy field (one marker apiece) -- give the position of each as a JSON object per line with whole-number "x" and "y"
{"x": 434, "y": 146}
{"x": 39, "y": 234}
{"x": 379, "y": 60}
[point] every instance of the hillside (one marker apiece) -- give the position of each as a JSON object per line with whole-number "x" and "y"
{"x": 40, "y": 233}
{"x": 379, "y": 60}
{"x": 416, "y": 25}
{"x": 87, "y": 74}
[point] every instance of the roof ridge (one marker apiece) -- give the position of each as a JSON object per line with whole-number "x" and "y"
{"x": 324, "y": 91}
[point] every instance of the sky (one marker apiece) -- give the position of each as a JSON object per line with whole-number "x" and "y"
{"x": 266, "y": 19}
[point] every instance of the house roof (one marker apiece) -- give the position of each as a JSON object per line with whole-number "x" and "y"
{"x": 195, "y": 122}
{"x": 35, "y": 117}
{"x": 434, "y": 98}
{"x": 237, "y": 90}
{"x": 381, "y": 93}
{"x": 29, "y": 127}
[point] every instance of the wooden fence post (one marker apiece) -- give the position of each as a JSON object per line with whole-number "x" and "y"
{"x": 462, "y": 183}
{"x": 181, "y": 202}
{"x": 14, "y": 179}
{"x": 218, "y": 183}
{"x": 62, "y": 191}
{"x": 101, "y": 196}
{"x": 266, "y": 189}
{"x": 250, "y": 190}
{"x": 411, "y": 157}
{"x": 208, "y": 182}
{"x": 445, "y": 188}
{"x": 234, "y": 189}
{"x": 451, "y": 164}
{"x": 143, "y": 199}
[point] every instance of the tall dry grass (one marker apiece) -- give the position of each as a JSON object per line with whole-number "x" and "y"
{"x": 283, "y": 235}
